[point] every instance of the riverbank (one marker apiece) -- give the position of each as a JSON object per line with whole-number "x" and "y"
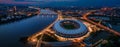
{"x": 11, "y": 33}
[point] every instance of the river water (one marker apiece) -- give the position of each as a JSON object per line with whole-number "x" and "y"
{"x": 11, "y": 33}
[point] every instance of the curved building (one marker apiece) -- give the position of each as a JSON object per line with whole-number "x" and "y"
{"x": 69, "y": 29}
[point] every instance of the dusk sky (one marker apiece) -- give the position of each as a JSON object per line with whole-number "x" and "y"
{"x": 30, "y": 1}
{"x": 44, "y": 1}
{"x": 64, "y": 2}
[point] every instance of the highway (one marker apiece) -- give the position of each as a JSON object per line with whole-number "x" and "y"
{"x": 39, "y": 41}
{"x": 33, "y": 38}
{"x": 99, "y": 25}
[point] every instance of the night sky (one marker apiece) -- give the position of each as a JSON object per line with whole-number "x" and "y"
{"x": 32, "y": 1}
{"x": 64, "y": 2}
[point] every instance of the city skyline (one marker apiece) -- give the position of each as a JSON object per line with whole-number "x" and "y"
{"x": 59, "y": 23}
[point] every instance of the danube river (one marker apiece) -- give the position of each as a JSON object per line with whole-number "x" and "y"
{"x": 11, "y": 33}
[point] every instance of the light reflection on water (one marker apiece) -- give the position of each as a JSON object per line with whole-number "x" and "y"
{"x": 11, "y": 33}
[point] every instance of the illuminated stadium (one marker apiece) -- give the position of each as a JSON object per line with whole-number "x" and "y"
{"x": 69, "y": 29}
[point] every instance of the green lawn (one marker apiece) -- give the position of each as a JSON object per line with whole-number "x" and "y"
{"x": 48, "y": 38}
{"x": 69, "y": 26}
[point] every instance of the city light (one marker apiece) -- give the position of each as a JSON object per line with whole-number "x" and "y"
{"x": 59, "y": 23}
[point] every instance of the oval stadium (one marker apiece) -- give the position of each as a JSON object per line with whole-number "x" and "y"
{"x": 70, "y": 29}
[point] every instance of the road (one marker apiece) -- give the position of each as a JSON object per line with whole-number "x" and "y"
{"x": 99, "y": 25}
{"x": 33, "y": 38}
{"x": 39, "y": 41}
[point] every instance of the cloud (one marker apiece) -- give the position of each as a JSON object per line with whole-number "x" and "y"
{"x": 48, "y": 0}
{"x": 32, "y": 1}
{"x": 14, "y": 2}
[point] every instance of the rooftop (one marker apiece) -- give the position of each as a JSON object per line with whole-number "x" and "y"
{"x": 67, "y": 31}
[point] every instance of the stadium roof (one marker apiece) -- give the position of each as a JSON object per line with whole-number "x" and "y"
{"x": 60, "y": 29}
